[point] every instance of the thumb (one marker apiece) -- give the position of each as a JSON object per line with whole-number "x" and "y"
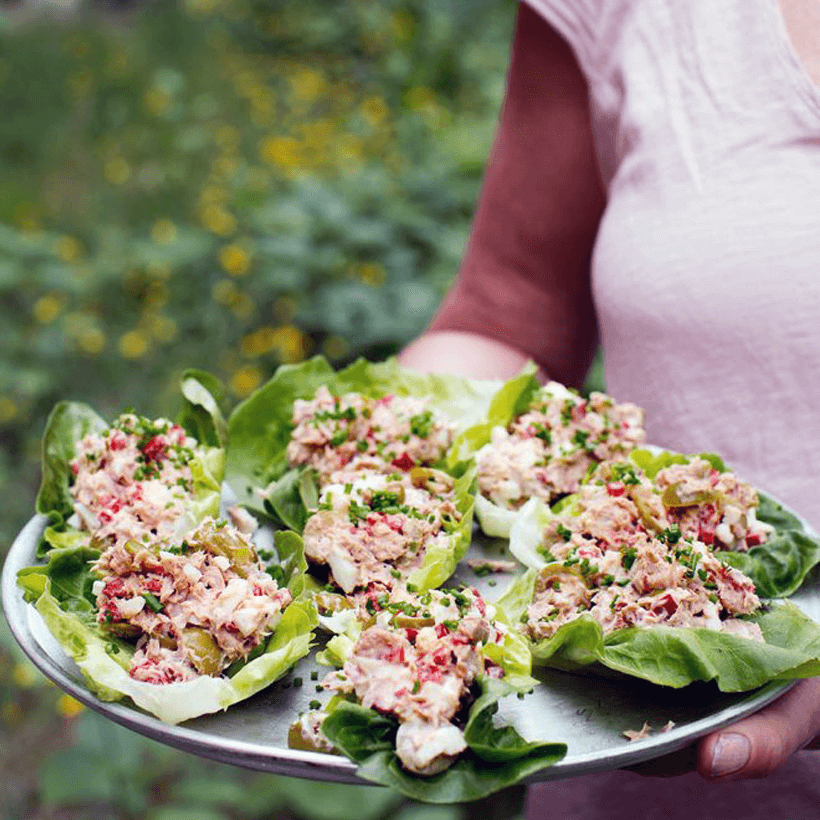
{"x": 757, "y": 745}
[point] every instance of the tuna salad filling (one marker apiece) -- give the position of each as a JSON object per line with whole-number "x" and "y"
{"x": 345, "y": 434}
{"x": 547, "y": 451}
{"x": 193, "y": 606}
{"x": 715, "y": 507}
{"x": 617, "y": 557}
{"x": 418, "y": 661}
{"x": 133, "y": 480}
{"x": 378, "y": 527}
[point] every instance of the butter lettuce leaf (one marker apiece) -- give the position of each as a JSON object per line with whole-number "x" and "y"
{"x": 677, "y": 656}
{"x": 780, "y": 564}
{"x": 260, "y": 427}
{"x": 60, "y": 590}
{"x": 69, "y": 422}
{"x": 496, "y": 757}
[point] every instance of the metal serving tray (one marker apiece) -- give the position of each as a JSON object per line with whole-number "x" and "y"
{"x": 588, "y": 713}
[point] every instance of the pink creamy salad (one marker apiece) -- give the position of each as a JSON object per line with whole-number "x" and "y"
{"x": 378, "y": 527}
{"x": 716, "y": 507}
{"x": 618, "y": 556}
{"x": 548, "y": 451}
{"x": 193, "y": 605}
{"x": 340, "y": 435}
{"x": 133, "y": 480}
{"x": 418, "y": 661}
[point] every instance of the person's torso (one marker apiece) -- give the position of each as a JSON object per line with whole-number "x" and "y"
{"x": 706, "y": 271}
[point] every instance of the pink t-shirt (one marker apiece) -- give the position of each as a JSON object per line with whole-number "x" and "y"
{"x": 706, "y": 271}
{"x": 706, "y": 277}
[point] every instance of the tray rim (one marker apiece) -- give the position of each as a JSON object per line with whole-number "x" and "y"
{"x": 22, "y": 616}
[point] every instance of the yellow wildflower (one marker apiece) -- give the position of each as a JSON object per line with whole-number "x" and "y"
{"x": 163, "y": 232}
{"x": 117, "y": 171}
{"x": 246, "y": 380}
{"x": 225, "y": 292}
{"x": 92, "y": 341}
{"x": 68, "y": 707}
{"x": 217, "y": 220}
{"x": 156, "y": 100}
{"x": 290, "y": 343}
{"x": 162, "y": 328}
{"x": 308, "y": 84}
{"x": 372, "y": 273}
{"x": 133, "y": 344}
{"x": 375, "y": 110}
{"x": 47, "y": 308}
{"x": 68, "y": 248}
{"x": 8, "y": 409}
{"x": 156, "y": 294}
{"x": 235, "y": 259}
{"x": 24, "y": 675}
{"x": 420, "y": 98}
{"x": 243, "y": 307}
{"x": 281, "y": 151}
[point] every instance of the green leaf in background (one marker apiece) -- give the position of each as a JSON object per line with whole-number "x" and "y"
{"x": 336, "y": 801}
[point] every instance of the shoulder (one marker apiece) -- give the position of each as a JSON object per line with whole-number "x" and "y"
{"x": 590, "y": 27}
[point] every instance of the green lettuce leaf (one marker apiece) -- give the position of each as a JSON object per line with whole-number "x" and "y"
{"x": 200, "y": 416}
{"x": 779, "y": 565}
{"x": 439, "y": 562}
{"x": 260, "y": 427}
{"x": 290, "y": 498}
{"x": 497, "y": 757}
{"x": 67, "y": 423}
{"x": 652, "y": 461}
{"x": 494, "y": 520}
{"x": 675, "y": 656}
{"x": 71, "y": 421}
{"x": 61, "y": 592}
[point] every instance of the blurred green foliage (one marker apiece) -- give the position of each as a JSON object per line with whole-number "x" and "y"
{"x": 228, "y": 184}
{"x": 223, "y": 184}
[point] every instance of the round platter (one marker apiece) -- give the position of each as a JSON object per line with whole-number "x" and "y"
{"x": 588, "y": 713}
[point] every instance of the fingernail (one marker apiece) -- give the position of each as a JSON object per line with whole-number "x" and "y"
{"x": 731, "y": 753}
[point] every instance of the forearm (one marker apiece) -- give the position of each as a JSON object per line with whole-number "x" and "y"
{"x": 524, "y": 282}
{"x": 464, "y": 354}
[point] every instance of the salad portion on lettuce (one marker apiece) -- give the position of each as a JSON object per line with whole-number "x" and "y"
{"x": 358, "y": 463}
{"x": 384, "y": 529}
{"x": 183, "y": 625}
{"x": 542, "y": 441}
{"x": 374, "y": 417}
{"x": 420, "y": 677}
{"x": 135, "y": 477}
{"x": 630, "y": 561}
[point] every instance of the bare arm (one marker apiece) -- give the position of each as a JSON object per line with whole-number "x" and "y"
{"x": 523, "y": 289}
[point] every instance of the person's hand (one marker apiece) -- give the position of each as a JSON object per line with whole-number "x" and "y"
{"x": 758, "y": 744}
{"x": 752, "y": 747}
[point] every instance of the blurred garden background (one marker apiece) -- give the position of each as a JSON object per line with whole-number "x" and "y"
{"x": 229, "y": 185}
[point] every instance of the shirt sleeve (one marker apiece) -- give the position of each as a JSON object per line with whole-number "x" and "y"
{"x": 581, "y": 24}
